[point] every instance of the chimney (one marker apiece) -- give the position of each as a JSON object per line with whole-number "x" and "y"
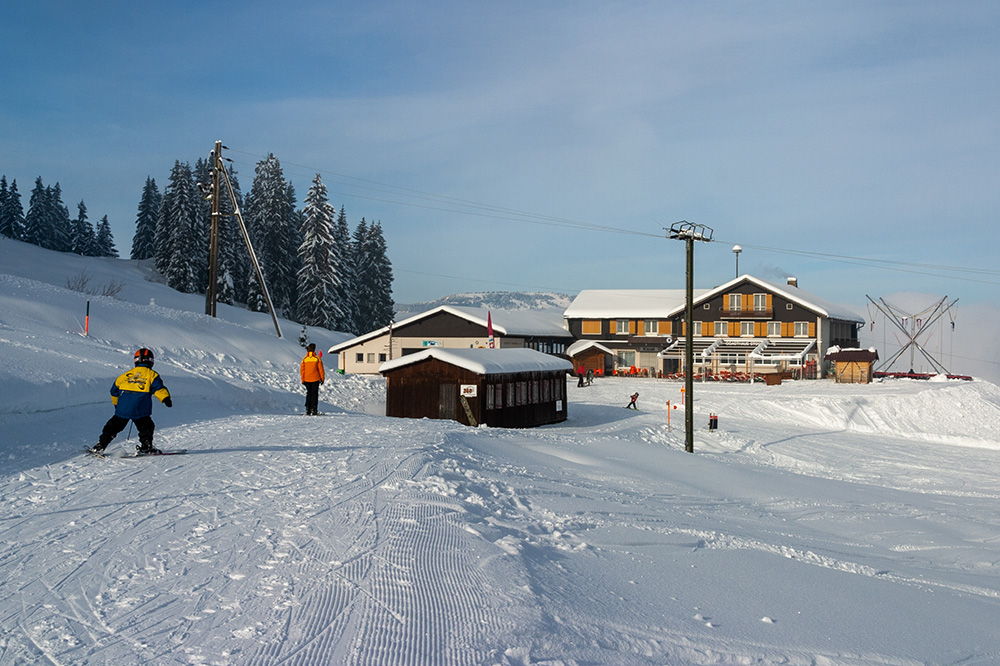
{"x": 793, "y": 281}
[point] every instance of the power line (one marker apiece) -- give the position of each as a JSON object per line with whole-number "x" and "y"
{"x": 431, "y": 201}
{"x": 886, "y": 264}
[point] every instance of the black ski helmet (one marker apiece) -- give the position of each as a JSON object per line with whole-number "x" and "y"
{"x": 144, "y": 356}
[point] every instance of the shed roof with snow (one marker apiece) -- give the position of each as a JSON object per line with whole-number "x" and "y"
{"x": 485, "y": 361}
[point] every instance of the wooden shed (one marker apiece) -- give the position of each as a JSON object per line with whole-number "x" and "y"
{"x": 506, "y": 388}
{"x": 853, "y": 366}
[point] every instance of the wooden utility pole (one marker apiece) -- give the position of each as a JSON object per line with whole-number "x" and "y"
{"x": 689, "y": 233}
{"x": 219, "y": 176}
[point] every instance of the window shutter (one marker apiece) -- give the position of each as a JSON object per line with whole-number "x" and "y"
{"x": 747, "y": 302}
{"x": 787, "y": 329}
{"x": 812, "y": 329}
{"x": 631, "y": 326}
{"x": 591, "y": 327}
{"x": 734, "y": 329}
{"x": 708, "y": 328}
{"x": 770, "y": 305}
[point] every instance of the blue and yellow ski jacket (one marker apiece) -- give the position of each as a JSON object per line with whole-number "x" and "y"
{"x": 132, "y": 393}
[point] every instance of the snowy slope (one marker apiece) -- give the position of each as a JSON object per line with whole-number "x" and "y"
{"x": 822, "y": 524}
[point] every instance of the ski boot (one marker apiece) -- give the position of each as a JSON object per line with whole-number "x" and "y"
{"x": 146, "y": 450}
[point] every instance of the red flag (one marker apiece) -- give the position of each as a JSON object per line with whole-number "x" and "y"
{"x": 489, "y": 327}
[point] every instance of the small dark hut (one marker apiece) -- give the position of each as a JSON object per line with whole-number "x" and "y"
{"x": 852, "y": 366}
{"x": 505, "y": 388}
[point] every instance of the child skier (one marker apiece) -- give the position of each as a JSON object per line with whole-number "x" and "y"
{"x": 631, "y": 405}
{"x": 311, "y": 370}
{"x": 131, "y": 394}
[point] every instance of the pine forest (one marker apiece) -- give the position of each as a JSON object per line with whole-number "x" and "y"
{"x": 317, "y": 270}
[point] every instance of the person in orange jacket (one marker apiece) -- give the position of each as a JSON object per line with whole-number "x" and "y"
{"x": 312, "y": 376}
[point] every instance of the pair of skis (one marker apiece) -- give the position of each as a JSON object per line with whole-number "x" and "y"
{"x": 102, "y": 456}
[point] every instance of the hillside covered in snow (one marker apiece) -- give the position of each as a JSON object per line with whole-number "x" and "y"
{"x": 821, "y": 524}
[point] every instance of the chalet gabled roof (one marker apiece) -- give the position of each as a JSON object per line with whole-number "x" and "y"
{"x": 582, "y": 345}
{"x": 485, "y": 361}
{"x": 528, "y": 323}
{"x": 803, "y": 298}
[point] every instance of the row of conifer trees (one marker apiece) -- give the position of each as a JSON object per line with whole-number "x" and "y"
{"x": 317, "y": 270}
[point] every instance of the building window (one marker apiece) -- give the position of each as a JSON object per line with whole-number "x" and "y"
{"x": 621, "y": 326}
{"x": 760, "y": 302}
{"x": 382, "y": 358}
{"x": 721, "y": 329}
{"x": 371, "y": 357}
{"x": 774, "y": 329}
{"x": 747, "y": 329}
{"x": 697, "y": 328}
{"x": 359, "y": 357}
{"x": 626, "y": 359}
{"x": 735, "y": 302}
{"x": 802, "y": 329}
{"x": 651, "y": 327}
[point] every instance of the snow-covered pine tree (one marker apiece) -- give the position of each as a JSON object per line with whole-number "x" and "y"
{"x": 344, "y": 296}
{"x": 360, "y": 284}
{"x": 317, "y": 278}
{"x": 62, "y": 227}
{"x": 11, "y": 212}
{"x": 5, "y": 229}
{"x": 105, "y": 240}
{"x": 84, "y": 238}
{"x": 232, "y": 248}
{"x": 143, "y": 243}
{"x": 293, "y": 240}
{"x": 383, "y": 308}
{"x": 176, "y": 229}
{"x": 37, "y": 222}
{"x": 202, "y": 174}
{"x": 269, "y": 212}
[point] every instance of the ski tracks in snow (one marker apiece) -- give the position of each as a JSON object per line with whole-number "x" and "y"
{"x": 307, "y": 545}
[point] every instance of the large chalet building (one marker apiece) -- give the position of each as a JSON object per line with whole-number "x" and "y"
{"x": 745, "y": 325}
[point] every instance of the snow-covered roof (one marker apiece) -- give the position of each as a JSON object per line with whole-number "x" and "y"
{"x": 526, "y": 323}
{"x": 583, "y": 345}
{"x": 485, "y": 361}
{"x": 635, "y": 303}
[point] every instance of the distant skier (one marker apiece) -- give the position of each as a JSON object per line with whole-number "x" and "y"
{"x": 631, "y": 405}
{"x": 131, "y": 394}
{"x": 581, "y": 374}
{"x": 312, "y": 373}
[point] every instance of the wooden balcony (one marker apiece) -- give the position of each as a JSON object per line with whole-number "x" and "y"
{"x": 746, "y": 315}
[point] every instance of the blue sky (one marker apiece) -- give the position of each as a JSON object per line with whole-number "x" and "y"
{"x": 545, "y": 145}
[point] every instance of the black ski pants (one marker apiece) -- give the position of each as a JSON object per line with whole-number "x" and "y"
{"x": 144, "y": 424}
{"x": 312, "y": 397}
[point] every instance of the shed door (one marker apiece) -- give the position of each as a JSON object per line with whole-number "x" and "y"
{"x": 448, "y": 401}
